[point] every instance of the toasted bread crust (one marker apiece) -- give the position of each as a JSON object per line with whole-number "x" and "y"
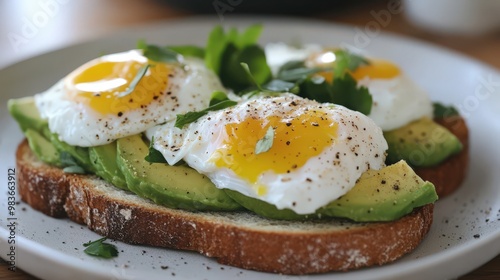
{"x": 450, "y": 174}
{"x": 238, "y": 239}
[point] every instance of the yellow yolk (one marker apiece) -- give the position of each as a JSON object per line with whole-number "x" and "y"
{"x": 295, "y": 142}
{"x": 377, "y": 69}
{"x": 100, "y": 82}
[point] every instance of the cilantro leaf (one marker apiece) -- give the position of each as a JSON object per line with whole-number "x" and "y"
{"x": 100, "y": 249}
{"x": 233, "y": 75}
{"x": 216, "y": 44}
{"x": 347, "y": 61}
{"x": 225, "y": 51}
{"x": 264, "y": 144}
{"x": 271, "y": 88}
{"x": 188, "y": 50}
{"x": 157, "y": 53}
{"x": 345, "y": 92}
{"x": 316, "y": 88}
{"x": 442, "y": 111}
{"x": 217, "y": 102}
{"x": 154, "y": 156}
{"x": 281, "y": 86}
{"x": 250, "y": 36}
{"x": 133, "y": 84}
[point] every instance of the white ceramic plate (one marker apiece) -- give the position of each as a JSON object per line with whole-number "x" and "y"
{"x": 466, "y": 229}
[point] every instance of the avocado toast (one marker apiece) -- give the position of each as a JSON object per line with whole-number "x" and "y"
{"x": 178, "y": 186}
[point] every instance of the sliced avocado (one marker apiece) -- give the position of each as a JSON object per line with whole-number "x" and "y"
{"x": 104, "y": 160}
{"x": 383, "y": 195}
{"x": 265, "y": 209}
{"x": 24, "y": 111}
{"x": 421, "y": 143}
{"x": 172, "y": 186}
{"x": 80, "y": 154}
{"x": 379, "y": 195}
{"x": 42, "y": 147}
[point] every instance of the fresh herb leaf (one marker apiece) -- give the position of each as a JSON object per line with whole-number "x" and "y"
{"x": 70, "y": 165}
{"x": 250, "y": 36}
{"x": 217, "y": 102}
{"x": 216, "y": 44}
{"x": 249, "y": 74}
{"x": 217, "y": 97}
{"x": 225, "y": 51}
{"x": 347, "y": 61}
{"x": 264, "y": 144}
{"x": 281, "y": 86}
{"x": 316, "y": 88}
{"x": 442, "y": 111}
{"x": 346, "y": 92}
{"x": 154, "y": 156}
{"x": 297, "y": 74}
{"x": 192, "y": 51}
{"x": 100, "y": 249}
{"x": 157, "y": 53}
{"x": 233, "y": 75}
{"x": 133, "y": 84}
{"x": 273, "y": 87}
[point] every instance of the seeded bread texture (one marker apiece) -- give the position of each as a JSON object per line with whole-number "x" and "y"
{"x": 238, "y": 239}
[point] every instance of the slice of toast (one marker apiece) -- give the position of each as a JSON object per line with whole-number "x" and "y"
{"x": 238, "y": 239}
{"x": 450, "y": 174}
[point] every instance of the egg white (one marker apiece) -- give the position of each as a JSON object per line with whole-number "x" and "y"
{"x": 396, "y": 101}
{"x": 189, "y": 88}
{"x": 359, "y": 146}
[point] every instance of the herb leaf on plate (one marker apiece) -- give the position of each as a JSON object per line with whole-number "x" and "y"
{"x": 100, "y": 249}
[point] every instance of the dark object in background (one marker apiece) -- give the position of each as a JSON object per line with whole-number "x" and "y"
{"x": 258, "y": 6}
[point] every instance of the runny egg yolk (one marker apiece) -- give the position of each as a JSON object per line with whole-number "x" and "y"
{"x": 295, "y": 142}
{"x": 376, "y": 69}
{"x": 102, "y": 83}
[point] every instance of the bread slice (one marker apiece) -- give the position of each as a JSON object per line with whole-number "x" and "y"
{"x": 450, "y": 174}
{"x": 238, "y": 239}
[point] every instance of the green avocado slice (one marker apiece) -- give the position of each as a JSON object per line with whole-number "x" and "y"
{"x": 172, "y": 186}
{"x": 379, "y": 195}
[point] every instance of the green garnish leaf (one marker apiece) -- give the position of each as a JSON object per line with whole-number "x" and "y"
{"x": 246, "y": 68}
{"x": 442, "y": 111}
{"x": 154, "y": 156}
{"x": 346, "y": 92}
{"x": 264, "y": 144}
{"x": 70, "y": 165}
{"x": 216, "y": 44}
{"x": 249, "y": 37}
{"x": 281, "y": 86}
{"x": 100, "y": 249}
{"x": 233, "y": 75}
{"x": 271, "y": 88}
{"x": 189, "y": 50}
{"x": 157, "y": 53}
{"x": 225, "y": 51}
{"x": 217, "y": 97}
{"x": 133, "y": 84}
{"x": 347, "y": 61}
{"x": 316, "y": 88}
{"x": 218, "y": 101}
